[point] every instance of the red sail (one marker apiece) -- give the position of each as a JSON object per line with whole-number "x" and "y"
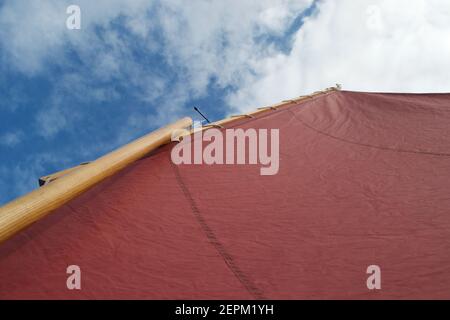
{"x": 363, "y": 180}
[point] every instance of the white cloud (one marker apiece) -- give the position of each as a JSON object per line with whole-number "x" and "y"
{"x": 218, "y": 38}
{"x": 11, "y": 139}
{"x": 366, "y": 45}
{"x": 50, "y": 121}
{"x": 35, "y": 34}
{"x": 204, "y": 39}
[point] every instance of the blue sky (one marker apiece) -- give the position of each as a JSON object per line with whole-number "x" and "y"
{"x": 69, "y": 96}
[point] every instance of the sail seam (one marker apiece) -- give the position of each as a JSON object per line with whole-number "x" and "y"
{"x": 429, "y": 153}
{"x": 212, "y": 238}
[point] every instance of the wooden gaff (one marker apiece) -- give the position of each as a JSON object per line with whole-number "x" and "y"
{"x": 26, "y": 210}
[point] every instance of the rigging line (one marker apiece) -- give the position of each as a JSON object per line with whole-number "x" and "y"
{"x": 207, "y": 120}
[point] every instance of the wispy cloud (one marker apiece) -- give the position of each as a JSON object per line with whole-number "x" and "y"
{"x": 11, "y": 139}
{"x": 125, "y": 42}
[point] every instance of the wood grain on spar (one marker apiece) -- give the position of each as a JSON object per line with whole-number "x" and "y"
{"x": 28, "y": 209}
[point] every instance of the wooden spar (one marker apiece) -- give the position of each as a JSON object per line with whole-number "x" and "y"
{"x": 52, "y": 177}
{"x": 26, "y": 210}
